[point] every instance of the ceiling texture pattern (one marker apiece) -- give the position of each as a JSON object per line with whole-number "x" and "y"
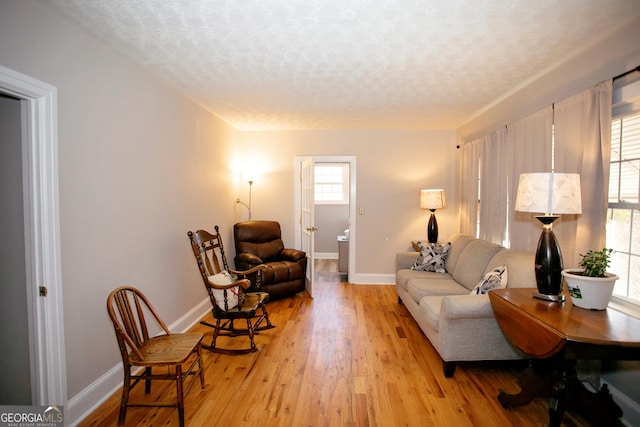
{"x": 335, "y": 64}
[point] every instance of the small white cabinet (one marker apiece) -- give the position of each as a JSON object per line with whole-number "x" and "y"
{"x": 343, "y": 254}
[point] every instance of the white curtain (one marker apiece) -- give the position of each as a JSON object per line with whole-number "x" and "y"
{"x": 494, "y": 187}
{"x": 529, "y": 150}
{"x": 583, "y": 145}
{"x": 468, "y": 158}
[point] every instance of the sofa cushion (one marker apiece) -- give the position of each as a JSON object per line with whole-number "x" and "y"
{"x": 432, "y": 257}
{"x": 404, "y": 275}
{"x": 472, "y": 262}
{"x": 430, "y": 307}
{"x": 458, "y": 243}
{"x": 420, "y": 288}
{"x": 521, "y": 267}
{"x": 495, "y": 279}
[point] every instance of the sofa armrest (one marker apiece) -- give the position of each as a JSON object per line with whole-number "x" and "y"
{"x": 466, "y": 307}
{"x": 404, "y": 260}
{"x": 292, "y": 254}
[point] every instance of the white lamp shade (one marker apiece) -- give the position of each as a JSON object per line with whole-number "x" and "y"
{"x": 432, "y": 199}
{"x": 549, "y": 193}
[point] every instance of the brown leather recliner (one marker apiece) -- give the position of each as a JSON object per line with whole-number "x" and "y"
{"x": 260, "y": 242}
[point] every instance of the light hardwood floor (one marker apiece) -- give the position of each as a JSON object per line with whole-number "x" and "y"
{"x": 352, "y": 356}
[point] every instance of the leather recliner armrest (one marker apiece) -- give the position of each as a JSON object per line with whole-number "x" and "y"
{"x": 247, "y": 259}
{"x": 292, "y": 254}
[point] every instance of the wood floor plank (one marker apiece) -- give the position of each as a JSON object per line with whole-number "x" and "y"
{"x": 351, "y": 356}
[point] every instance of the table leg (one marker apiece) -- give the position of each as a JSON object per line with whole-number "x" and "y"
{"x": 556, "y": 380}
{"x": 533, "y": 383}
{"x": 558, "y": 400}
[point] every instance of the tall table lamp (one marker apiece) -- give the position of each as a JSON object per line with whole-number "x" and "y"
{"x": 432, "y": 200}
{"x": 549, "y": 194}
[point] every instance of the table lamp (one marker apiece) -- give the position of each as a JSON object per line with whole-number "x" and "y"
{"x": 432, "y": 200}
{"x": 549, "y": 194}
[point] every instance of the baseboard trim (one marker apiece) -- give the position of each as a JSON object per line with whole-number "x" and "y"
{"x": 325, "y": 255}
{"x": 91, "y": 397}
{"x": 372, "y": 279}
{"x": 630, "y": 408}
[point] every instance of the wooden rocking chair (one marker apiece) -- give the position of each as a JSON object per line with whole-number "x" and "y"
{"x": 227, "y": 293}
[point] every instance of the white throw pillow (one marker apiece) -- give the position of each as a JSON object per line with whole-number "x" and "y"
{"x": 495, "y": 279}
{"x": 221, "y": 279}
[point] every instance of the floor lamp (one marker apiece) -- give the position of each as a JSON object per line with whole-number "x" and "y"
{"x": 549, "y": 194}
{"x": 432, "y": 200}
{"x": 248, "y": 206}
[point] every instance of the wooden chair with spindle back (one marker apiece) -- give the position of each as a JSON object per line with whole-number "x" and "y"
{"x": 226, "y": 290}
{"x": 180, "y": 355}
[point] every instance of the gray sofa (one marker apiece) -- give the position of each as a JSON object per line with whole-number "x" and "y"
{"x": 462, "y": 326}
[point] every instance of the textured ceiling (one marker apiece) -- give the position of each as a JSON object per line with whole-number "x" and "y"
{"x": 313, "y": 64}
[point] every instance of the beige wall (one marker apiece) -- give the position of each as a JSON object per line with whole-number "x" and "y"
{"x": 391, "y": 168}
{"x": 139, "y": 165}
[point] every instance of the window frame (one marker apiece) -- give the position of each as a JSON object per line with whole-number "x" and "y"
{"x": 626, "y": 103}
{"x": 344, "y": 183}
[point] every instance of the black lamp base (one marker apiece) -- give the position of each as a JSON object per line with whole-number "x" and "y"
{"x": 432, "y": 228}
{"x": 548, "y": 263}
{"x": 553, "y": 298}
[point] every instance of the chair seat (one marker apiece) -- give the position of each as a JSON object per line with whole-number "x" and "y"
{"x": 169, "y": 349}
{"x": 248, "y": 307}
{"x": 252, "y": 300}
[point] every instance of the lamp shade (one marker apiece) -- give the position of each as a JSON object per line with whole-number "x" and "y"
{"x": 432, "y": 199}
{"x": 549, "y": 193}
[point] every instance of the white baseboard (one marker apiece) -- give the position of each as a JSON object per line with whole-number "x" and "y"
{"x": 325, "y": 255}
{"x": 630, "y": 408}
{"x": 372, "y": 279}
{"x": 90, "y": 398}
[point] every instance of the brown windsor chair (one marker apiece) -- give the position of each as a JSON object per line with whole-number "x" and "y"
{"x": 131, "y": 314}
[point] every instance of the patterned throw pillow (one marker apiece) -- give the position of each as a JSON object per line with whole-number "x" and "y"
{"x": 433, "y": 257}
{"x": 221, "y": 279}
{"x": 495, "y": 279}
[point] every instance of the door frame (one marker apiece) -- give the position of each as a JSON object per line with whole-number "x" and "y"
{"x": 352, "y": 201}
{"x": 42, "y": 229}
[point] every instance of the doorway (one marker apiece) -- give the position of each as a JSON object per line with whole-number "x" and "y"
{"x": 16, "y": 382}
{"x": 37, "y": 243}
{"x": 306, "y": 211}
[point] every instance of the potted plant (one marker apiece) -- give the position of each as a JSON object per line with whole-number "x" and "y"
{"x": 591, "y": 286}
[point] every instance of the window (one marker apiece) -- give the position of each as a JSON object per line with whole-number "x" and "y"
{"x": 331, "y": 183}
{"x": 623, "y": 215}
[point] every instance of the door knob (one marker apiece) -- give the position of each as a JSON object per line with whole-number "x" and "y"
{"x": 312, "y": 228}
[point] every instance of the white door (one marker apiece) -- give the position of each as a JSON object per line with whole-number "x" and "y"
{"x": 306, "y": 218}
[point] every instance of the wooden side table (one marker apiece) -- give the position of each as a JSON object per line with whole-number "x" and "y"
{"x": 563, "y": 334}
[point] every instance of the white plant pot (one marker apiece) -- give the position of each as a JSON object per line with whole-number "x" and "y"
{"x": 591, "y": 293}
